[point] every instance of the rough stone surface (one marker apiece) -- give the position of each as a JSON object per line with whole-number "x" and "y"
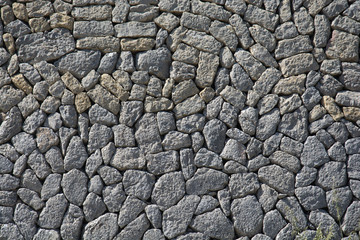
{"x": 179, "y": 119}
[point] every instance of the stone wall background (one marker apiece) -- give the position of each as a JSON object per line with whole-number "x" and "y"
{"x": 179, "y": 119}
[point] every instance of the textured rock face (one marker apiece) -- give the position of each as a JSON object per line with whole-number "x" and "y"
{"x": 179, "y": 119}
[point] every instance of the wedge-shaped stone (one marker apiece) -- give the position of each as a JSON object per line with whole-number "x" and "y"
{"x": 252, "y": 66}
{"x": 190, "y": 106}
{"x": 278, "y": 178}
{"x": 295, "y": 124}
{"x": 206, "y": 180}
{"x": 135, "y": 29}
{"x": 210, "y": 10}
{"x": 264, "y": 18}
{"x": 114, "y": 87}
{"x": 202, "y": 41}
{"x": 105, "y": 99}
{"x": 156, "y": 62}
{"x": 45, "y": 46}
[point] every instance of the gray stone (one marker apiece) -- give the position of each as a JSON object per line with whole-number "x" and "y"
{"x": 53, "y": 212}
{"x": 243, "y": 184}
{"x": 322, "y": 31}
{"x": 51, "y": 186}
{"x": 206, "y": 70}
{"x": 234, "y": 150}
{"x": 214, "y": 224}
{"x": 273, "y": 223}
{"x": 290, "y": 208}
{"x": 206, "y": 158}
{"x": 93, "y": 207}
{"x": 346, "y": 24}
{"x": 176, "y": 140}
{"x": 24, "y": 143}
{"x": 99, "y": 12}
{"x": 247, "y": 215}
{"x": 113, "y": 196}
{"x": 348, "y": 99}
{"x": 57, "y": 43}
{"x": 30, "y": 198}
{"x": 28, "y": 180}
{"x": 263, "y": 37}
{"x": 311, "y": 197}
{"x": 259, "y": 16}
{"x": 351, "y": 218}
{"x": 267, "y": 124}
{"x": 6, "y": 166}
{"x": 290, "y": 47}
{"x": 286, "y": 160}
{"x": 168, "y": 189}
{"x": 8, "y": 198}
{"x": 135, "y": 229}
{"x": 176, "y": 7}
{"x": 75, "y": 62}
{"x": 154, "y": 215}
{"x": 17, "y": 28}
{"x": 338, "y": 200}
{"x": 109, "y": 175}
{"x": 206, "y": 180}
{"x": 294, "y": 124}
{"x": 7, "y": 215}
{"x": 195, "y": 22}
{"x": 252, "y": 66}
{"x": 314, "y": 153}
{"x": 71, "y": 225}
{"x": 76, "y": 154}
{"x": 241, "y": 31}
{"x": 147, "y": 134}
{"x": 93, "y": 29}
{"x": 138, "y": 183}
{"x": 305, "y": 177}
{"x": 99, "y": 136}
{"x": 188, "y": 107}
{"x": 10, "y": 97}
{"x": 180, "y": 71}
{"x": 50, "y": 105}
{"x": 224, "y": 34}
{"x": 202, "y": 41}
{"x": 263, "y": 55}
{"x": 332, "y": 175}
{"x": 108, "y": 63}
{"x": 214, "y": 133}
{"x": 177, "y": 218}
{"x": 206, "y": 204}
{"x": 37, "y": 163}
{"x": 46, "y": 234}
{"x": 290, "y": 66}
{"x": 337, "y": 152}
{"x": 25, "y": 219}
{"x": 163, "y": 162}
{"x": 286, "y": 30}
{"x": 157, "y": 62}
{"x": 54, "y": 158}
{"x": 74, "y": 185}
{"x": 210, "y": 10}
{"x": 104, "y": 226}
{"x": 325, "y": 223}
{"x": 187, "y": 163}
{"x": 128, "y": 158}
{"x": 167, "y": 21}
{"x": 278, "y": 178}
{"x": 303, "y": 21}
{"x": 338, "y": 39}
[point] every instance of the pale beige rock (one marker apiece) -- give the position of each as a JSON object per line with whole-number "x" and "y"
{"x": 114, "y": 87}
{"x": 332, "y": 108}
{"x": 158, "y": 104}
{"x": 352, "y": 113}
{"x": 39, "y": 24}
{"x": 207, "y": 94}
{"x": 137, "y": 45}
{"x": 82, "y": 102}
{"x": 20, "y": 11}
{"x": 61, "y": 20}
{"x": 72, "y": 83}
{"x": 316, "y": 113}
{"x": 290, "y": 85}
{"x": 9, "y": 43}
{"x": 20, "y": 82}
{"x": 105, "y": 99}
{"x": 105, "y": 44}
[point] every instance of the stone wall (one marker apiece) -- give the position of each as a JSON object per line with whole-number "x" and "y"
{"x": 179, "y": 119}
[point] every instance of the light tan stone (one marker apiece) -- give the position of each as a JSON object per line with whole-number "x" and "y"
{"x": 290, "y": 85}
{"x": 352, "y": 113}
{"x": 158, "y": 104}
{"x": 61, "y": 20}
{"x": 105, "y": 44}
{"x": 316, "y": 113}
{"x": 114, "y": 87}
{"x": 20, "y": 82}
{"x": 72, "y": 83}
{"x": 332, "y": 108}
{"x": 105, "y": 99}
{"x": 207, "y": 94}
{"x": 9, "y": 43}
{"x": 137, "y": 45}
{"x": 20, "y": 11}
{"x": 39, "y": 24}
{"x": 82, "y": 102}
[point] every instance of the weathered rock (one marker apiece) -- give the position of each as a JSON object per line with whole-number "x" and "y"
{"x": 74, "y": 185}
{"x": 157, "y": 62}
{"x": 53, "y": 45}
{"x": 277, "y": 177}
{"x": 336, "y": 47}
{"x": 206, "y": 180}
